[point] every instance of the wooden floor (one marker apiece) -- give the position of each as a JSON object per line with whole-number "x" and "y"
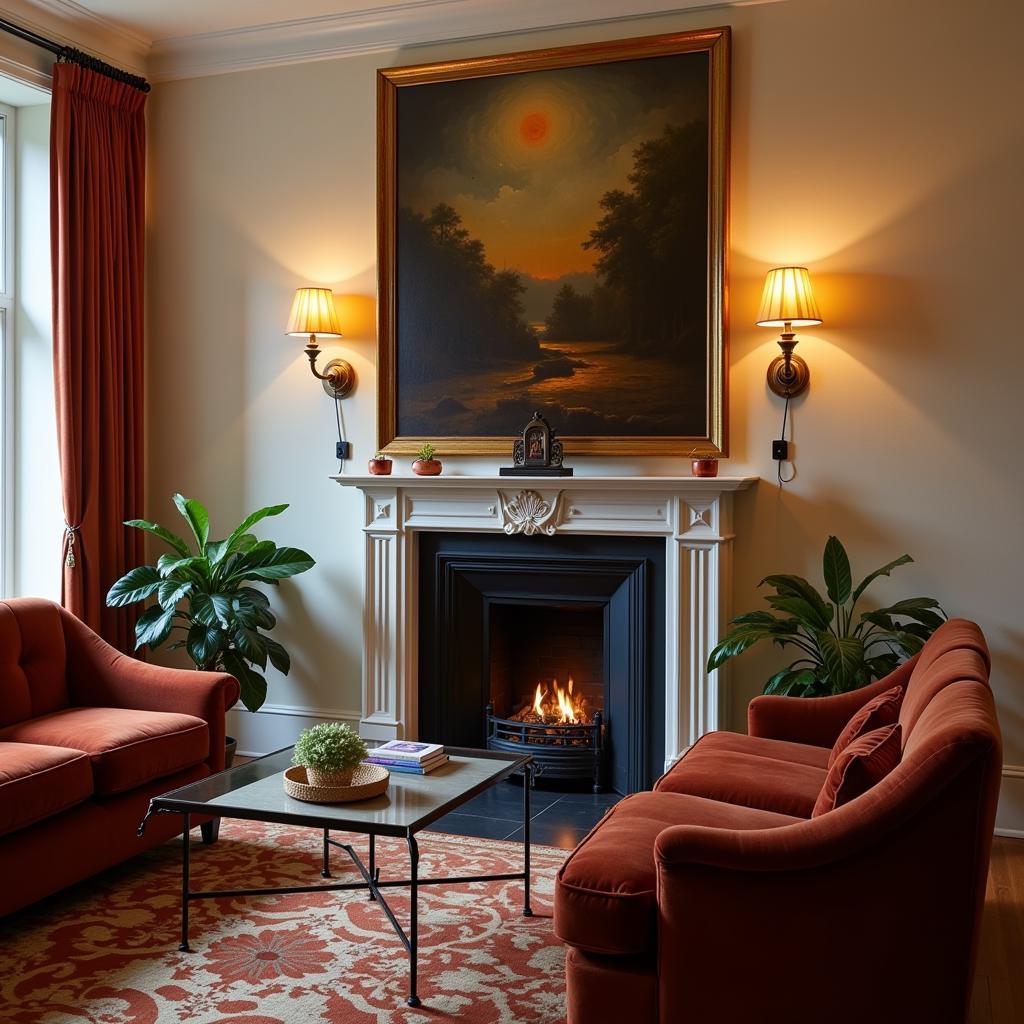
{"x": 999, "y": 988}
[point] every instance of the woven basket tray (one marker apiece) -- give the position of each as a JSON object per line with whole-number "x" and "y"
{"x": 367, "y": 780}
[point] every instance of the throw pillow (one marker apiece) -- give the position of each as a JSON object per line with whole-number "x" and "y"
{"x": 879, "y": 711}
{"x": 865, "y": 762}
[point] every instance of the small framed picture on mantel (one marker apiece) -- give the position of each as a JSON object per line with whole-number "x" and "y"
{"x": 552, "y": 235}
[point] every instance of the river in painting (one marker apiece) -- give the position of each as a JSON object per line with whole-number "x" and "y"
{"x": 582, "y": 387}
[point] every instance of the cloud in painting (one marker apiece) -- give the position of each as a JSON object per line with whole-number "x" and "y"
{"x": 525, "y": 159}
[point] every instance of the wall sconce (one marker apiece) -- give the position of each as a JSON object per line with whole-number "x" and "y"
{"x": 313, "y": 314}
{"x": 787, "y": 302}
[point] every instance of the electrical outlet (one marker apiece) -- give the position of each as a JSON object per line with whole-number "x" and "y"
{"x": 343, "y": 450}
{"x": 780, "y": 451}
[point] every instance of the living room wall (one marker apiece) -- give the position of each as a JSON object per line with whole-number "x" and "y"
{"x": 877, "y": 143}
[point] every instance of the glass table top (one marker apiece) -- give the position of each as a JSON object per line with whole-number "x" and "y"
{"x": 256, "y": 791}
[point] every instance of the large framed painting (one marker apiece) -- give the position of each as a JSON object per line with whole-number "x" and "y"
{"x": 552, "y": 235}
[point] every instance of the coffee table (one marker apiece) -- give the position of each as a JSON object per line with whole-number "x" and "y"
{"x": 254, "y": 791}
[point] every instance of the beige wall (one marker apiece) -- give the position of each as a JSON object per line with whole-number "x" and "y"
{"x": 880, "y": 143}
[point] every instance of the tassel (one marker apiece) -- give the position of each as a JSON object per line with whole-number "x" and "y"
{"x": 70, "y": 560}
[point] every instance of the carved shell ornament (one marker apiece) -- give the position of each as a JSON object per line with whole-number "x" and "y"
{"x": 529, "y": 513}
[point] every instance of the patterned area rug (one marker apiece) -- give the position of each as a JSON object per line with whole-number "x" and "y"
{"x": 106, "y": 951}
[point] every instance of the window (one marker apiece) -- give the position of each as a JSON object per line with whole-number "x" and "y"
{"x": 7, "y": 217}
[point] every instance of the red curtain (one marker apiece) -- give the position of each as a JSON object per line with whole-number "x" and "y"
{"x": 97, "y": 193}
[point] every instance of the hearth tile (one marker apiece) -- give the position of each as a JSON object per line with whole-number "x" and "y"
{"x": 473, "y": 825}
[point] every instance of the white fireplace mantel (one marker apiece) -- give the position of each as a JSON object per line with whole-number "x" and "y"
{"x": 693, "y": 514}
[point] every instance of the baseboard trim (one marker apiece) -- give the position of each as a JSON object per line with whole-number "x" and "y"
{"x": 277, "y": 725}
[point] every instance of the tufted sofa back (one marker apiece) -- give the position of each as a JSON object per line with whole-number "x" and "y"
{"x": 32, "y": 660}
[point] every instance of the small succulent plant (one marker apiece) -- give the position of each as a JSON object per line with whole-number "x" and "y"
{"x": 426, "y": 453}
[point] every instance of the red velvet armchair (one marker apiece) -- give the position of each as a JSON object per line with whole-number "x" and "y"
{"x": 718, "y": 897}
{"x": 87, "y": 737}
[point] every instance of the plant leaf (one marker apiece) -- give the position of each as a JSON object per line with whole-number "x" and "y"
{"x": 198, "y": 519}
{"x": 204, "y": 643}
{"x": 735, "y": 642}
{"x": 791, "y": 682}
{"x": 212, "y": 609}
{"x": 252, "y": 684}
{"x": 134, "y": 586}
{"x": 836, "y": 570}
{"x": 815, "y": 617}
{"x": 170, "y": 592}
{"x": 193, "y": 565}
{"x": 886, "y": 570}
{"x": 154, "y": 626}
{"x": 796, "y": 586}
{"x": 163, "y": 533}
{"x": 279, "y": 657}
{"x": 278, "y": 564}
{"x": 920, "y": 609}
{"x": 250, "y": 521}
{"x": 843, "y": 657}
{"x": 251, "y": 645}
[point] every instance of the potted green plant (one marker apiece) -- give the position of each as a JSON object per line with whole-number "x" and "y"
{"x": 426, "y": 464}
{"x": 380, "y": 465}
{"x": 329, "y": 752}
{"x": 840, "y": 651}
{"x": 203, "y": 595}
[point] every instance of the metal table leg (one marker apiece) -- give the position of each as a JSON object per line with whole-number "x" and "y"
{"x": 374, "y": 873}
{"x": 325, "y": 871}
{"x": 184, "y": 882}
{"x": 414, "y": 861}
{"x": 527, "y": 786}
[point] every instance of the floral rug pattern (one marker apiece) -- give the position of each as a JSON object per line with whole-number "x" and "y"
{"x": 106, "y": 951}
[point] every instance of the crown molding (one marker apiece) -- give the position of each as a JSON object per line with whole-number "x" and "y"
{"x": 412, "y": 23}
{"x": 67, "y": 22}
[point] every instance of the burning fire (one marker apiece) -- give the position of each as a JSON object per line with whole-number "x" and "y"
{"x": 562, "y": 707}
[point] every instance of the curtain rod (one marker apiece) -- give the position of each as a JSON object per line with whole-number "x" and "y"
{"x": 69, "y": 55}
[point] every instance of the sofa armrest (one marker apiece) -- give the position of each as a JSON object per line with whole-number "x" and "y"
{"x": 817, "y": 720}
{"x": 99, "y": 675}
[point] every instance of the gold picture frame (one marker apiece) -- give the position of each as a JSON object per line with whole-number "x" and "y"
{"x": 391, "y": 83}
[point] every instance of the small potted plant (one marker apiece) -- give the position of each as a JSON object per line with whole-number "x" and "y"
{"x": 330, "y": 753}
{"x": 426, "y": 464}
{"x": 703, "y": 465}
{"x": 380, "y": 465}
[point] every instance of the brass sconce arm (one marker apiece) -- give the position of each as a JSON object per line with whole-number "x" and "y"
{"x": 338, "y": 377}
{"x": 788, "y": 375}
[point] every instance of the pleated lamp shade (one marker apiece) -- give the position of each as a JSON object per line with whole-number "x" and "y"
{"x": 313, "y": 312}
{"x": 788, "y": 299}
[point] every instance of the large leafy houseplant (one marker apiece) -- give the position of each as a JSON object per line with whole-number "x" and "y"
{"x": 840, "y": 650}
{"x": 204, "y": 594}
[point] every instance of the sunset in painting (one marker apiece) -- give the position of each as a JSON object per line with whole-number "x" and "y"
{"x": 552, "y": 239}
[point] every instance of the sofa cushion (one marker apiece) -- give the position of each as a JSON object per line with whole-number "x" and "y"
{"x": 38, "y": 781}
{"x": 605, "y": 892}
{"x": 739, "y": 777}
{"x": 878, "y": 712}
{"x": 126, "y": 748}
{"x": 763, "y": 746}
{"x": 865, "y": 762}
{"x": 32, "y": 657}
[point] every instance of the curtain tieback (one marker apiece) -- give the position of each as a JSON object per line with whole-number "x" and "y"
{"x": 70, "y": 531}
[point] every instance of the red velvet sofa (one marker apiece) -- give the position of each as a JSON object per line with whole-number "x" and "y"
{"x": 719, "y": 898}
{"x": 87, "y": 737}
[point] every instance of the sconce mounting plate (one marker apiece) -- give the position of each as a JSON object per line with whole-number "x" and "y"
{"x": 338, "y": 378}
{"x": 788, "y": 381}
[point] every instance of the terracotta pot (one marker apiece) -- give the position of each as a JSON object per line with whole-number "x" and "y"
{"x": 380, "y": 467}
{"x": 426, "y": 467}
{"x": 329, "y": 780}
{"x": 705, "y": 467}
{"x": 230, "y": 746}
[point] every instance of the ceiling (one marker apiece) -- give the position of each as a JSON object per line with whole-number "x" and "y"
{"x": 158, "y": 19}
{"x": 169, "y": 39}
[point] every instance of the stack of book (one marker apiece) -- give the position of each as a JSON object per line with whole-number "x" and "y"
{"x": 408, "y": 756}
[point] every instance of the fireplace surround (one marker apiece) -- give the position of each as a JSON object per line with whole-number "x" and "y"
{"x": 690, "y": 518}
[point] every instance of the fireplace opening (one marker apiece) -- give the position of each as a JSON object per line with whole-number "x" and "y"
{"x": 546, "y": 686}
{"x": 499, "y": 615}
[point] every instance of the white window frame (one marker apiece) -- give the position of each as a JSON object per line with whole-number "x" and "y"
{"x": 8, "y": 306}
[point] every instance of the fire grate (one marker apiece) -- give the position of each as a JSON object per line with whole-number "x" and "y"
{"x": 572, "y": 751}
